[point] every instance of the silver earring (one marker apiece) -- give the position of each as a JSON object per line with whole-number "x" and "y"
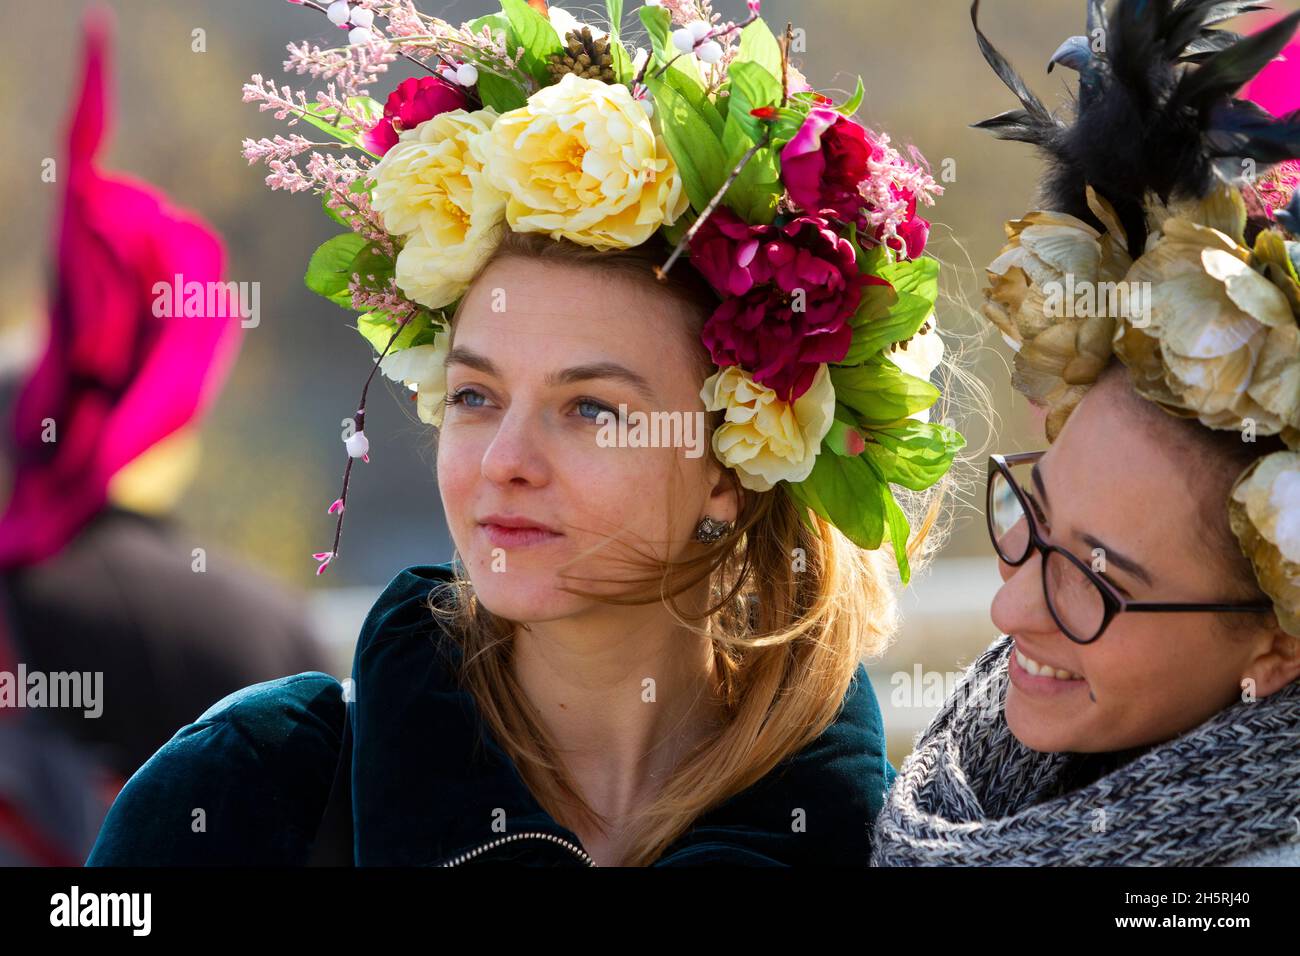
{"x": 710, "y": 530}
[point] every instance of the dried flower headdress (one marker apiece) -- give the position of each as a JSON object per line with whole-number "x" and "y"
{"x": 804, "y": 222}
{"x": 1144, "y": 224}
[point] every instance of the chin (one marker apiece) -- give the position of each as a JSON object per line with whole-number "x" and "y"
{"x": 519, "y": 595}
{"x": 1032, "y": 729}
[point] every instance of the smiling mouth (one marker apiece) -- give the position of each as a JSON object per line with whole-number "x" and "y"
{"x": 1045, "y": 670}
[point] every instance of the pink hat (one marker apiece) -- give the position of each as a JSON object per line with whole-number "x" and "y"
{"x": 114, "y": 378}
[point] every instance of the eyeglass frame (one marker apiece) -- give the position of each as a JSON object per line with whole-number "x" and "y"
{"x": 1115, "y": 603}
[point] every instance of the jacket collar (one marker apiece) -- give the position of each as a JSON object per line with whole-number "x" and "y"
{"x": 423, "y": 798}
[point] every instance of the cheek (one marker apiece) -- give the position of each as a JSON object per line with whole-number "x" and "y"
{"x": 458, "y": 470}
{"x": 1156, "y": 679}
{"x": 629, "y": 488}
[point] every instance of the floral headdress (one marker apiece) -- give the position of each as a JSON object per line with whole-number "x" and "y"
{"x": 805, "y": 223}
{"x": 1147, "y": 199}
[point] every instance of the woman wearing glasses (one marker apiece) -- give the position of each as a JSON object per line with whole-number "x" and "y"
{"x": 1142, "y": 707}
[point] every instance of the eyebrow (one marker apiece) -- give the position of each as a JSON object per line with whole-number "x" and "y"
{"x": 1126, "y": 564}
{"x": 569, "y": 376}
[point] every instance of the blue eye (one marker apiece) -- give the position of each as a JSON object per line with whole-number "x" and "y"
{"x": 458, "y": 398}
{"x": 462, "y": 396}
{"x": 599, "y": 409}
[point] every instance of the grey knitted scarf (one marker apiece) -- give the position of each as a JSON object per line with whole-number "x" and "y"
{"x": 971, "y": 794}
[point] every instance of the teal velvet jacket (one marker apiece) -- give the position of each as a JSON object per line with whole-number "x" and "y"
{"x": 428, "y": 780}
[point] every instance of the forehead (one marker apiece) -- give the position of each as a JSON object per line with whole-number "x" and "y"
{"x": 1115, "y": 473}
{"x": 530, "y": 313}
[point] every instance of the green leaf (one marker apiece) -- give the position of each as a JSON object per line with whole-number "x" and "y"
{"x": 851, "y": 107}
{"x": 893, "y": 314}
{"x": 880, "y": 393}
{"x": 333, "y": 213}
{"x": 917, "y": 276}
{"x": 695, "y": 148}
{"x": 614, "y": 12}
{"x": 787, "y": 124}
{"x": 370, "y": 108}
{"x": 844, "y": 491}
{"x": 535, "y": 34}
{"x": 838, "y": 438}
{"x": 897, "y": 530}
{"x": 914, "y": 454}
{"x": 622, "y": 62}
{"x": 755, "y": 193}
{"x": 370, "y": 261}
{"x": 345, "y": 131}
{"x": 499, "y": 23}
{"x": 759, "y": 46}
{"x": 330, "y": 268}
{"x": 499, "y": 92}
{"x": 750, "y": 87}
{"x": 658, "y": 26}
{"x": 694, "y": 94}
{"x": 378, "y": 327}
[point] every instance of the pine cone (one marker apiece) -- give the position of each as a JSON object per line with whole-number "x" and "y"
{"x": 586, "y": 56}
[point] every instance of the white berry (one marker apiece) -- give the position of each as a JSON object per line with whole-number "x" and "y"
{"x": 338, "y": 12}
{"x": 699, "y": 29}
{"x": 467, "y": 74}
{"x": 359, "y": 35}
{"x": 358, "y": 444}
{"x": 361, "y": 17}
{"x": 710, "y": 51}
{"x": 683, "y": 40}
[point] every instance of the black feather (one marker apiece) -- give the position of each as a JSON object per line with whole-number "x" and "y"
{"x": 1155, "y": 112}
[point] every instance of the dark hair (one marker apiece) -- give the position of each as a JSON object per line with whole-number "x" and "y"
{"x": 1225, "y": 456}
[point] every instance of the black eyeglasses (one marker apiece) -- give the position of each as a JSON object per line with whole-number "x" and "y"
{"x": 1081, "y": 601}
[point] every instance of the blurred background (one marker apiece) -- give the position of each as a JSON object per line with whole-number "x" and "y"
{"x": 270, "y": 451}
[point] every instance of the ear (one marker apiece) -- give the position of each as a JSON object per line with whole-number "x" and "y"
{"x": 725, "y": 496}
{"x": 1277, "y": 665}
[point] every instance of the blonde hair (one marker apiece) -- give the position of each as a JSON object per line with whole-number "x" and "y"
{"x": 792, "y": 612}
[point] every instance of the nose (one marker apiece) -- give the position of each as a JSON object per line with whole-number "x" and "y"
{"x": 517, "y": 451}
{"x": 1020, "y": 607}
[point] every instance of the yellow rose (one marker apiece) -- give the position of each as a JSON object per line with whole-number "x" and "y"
{"x": 430, "y": 189}
{"x": 765, "y": 439}
{"x": 581, "y": 161}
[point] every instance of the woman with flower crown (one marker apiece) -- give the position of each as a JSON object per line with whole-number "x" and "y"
{"x": 1142, "y": 706}
{"x": 644, "y": 652}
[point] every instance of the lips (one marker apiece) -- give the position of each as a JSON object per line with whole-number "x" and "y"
{"x": 517, "y": 523}
{"x": 1040, "y": 669}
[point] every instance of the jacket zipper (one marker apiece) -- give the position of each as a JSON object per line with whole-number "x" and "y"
{"x": 469, "y": 855}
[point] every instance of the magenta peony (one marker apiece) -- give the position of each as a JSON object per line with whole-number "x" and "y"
{"x": 789, "y": 292}
{"x": 838, "y": 169}
{"x": 415, "y": 100}
{"x": 824, "y": 164}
